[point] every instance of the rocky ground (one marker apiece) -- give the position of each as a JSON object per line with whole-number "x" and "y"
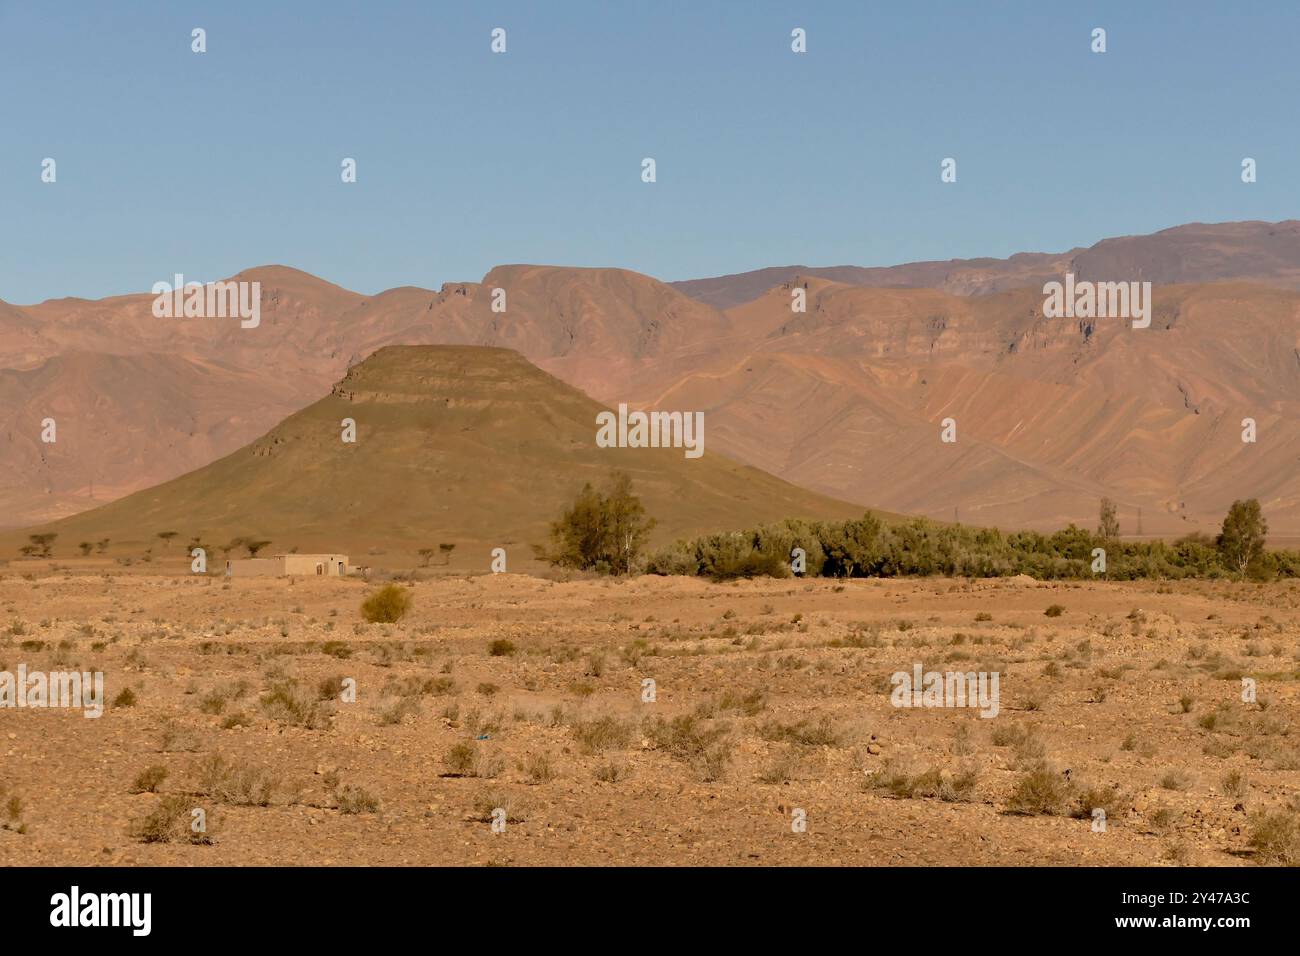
{"x": 771, "y": 738}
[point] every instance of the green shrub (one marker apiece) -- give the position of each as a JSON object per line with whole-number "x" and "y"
{"x": 387, "y": 605}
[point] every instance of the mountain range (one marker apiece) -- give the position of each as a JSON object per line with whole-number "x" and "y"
{"x": 846, "y": 398}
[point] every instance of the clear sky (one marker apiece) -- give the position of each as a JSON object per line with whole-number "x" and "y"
{"x": 170, "y": 161}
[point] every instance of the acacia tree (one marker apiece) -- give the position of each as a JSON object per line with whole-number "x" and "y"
{"x": 1241, "y": 542}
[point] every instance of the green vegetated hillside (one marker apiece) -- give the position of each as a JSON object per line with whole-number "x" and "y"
{"x": 460, "y": 444}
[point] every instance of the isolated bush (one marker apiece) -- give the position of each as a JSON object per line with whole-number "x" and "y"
{"x": 931, "y": 784}
{"x": 539, "y": 767}
{"x": 350, "y": 798}
{"x": 1275, "y": 838}
{"x": 237, "y": 784}
{"x": 387, "y": 605}
{"x": 1110, "y": 800}
{"x": 704, "y": 746}
{"x": 1234, "y": 784}
{"x": 1042, "y": 790}
{"x": 149, "y": 779}
{"x": 602, "y": 733}
{"x": 290, "y": 703}
{"x": 329, "y": 688}
{"x": 171, "y": 821}
{"x": 126, "y": 698}
{"x": 803, "y": 732}
{"x": 461, "y": 758}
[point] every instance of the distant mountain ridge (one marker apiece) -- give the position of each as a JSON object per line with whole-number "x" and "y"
{"x": 1264, "y": 252}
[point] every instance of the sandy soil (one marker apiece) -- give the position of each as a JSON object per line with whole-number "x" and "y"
{"x": 1134, "y": 691}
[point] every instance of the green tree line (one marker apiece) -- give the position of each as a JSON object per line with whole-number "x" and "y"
{"x": 605, "y": 531}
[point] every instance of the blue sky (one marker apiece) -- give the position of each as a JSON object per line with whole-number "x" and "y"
{"x": 171, "y": 161}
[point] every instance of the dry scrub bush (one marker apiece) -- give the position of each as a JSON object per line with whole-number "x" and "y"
{"x": 707, "y": 749}
{"x": 467, "y": 759}
{"x": 487, "y": 802}
{"x": 387, "y": 605}
{"x": 240, "y": 785}
{"x": 603, "y": 733}
{"x": 802, "y": 732}
{"x": 290, "y": 703}
{"x": 1275, "y": 838}
{"x": 172, "y": 821}
{"x": 149, "y": 779}
{"x": 1042, "y": 790}
{"x": 350, "y": 799}
{"x": 933, "y": 783}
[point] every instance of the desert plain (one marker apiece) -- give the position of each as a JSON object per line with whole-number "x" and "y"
{"x": 505, "y": 721}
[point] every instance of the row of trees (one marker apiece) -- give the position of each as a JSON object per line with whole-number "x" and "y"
{"x": 42, "y": 545}
{"x": 870, "y": 547}
{"x": 445, "y": 549}
{"x": 1241, "y": 540}
{"x": 606, "y": 530}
